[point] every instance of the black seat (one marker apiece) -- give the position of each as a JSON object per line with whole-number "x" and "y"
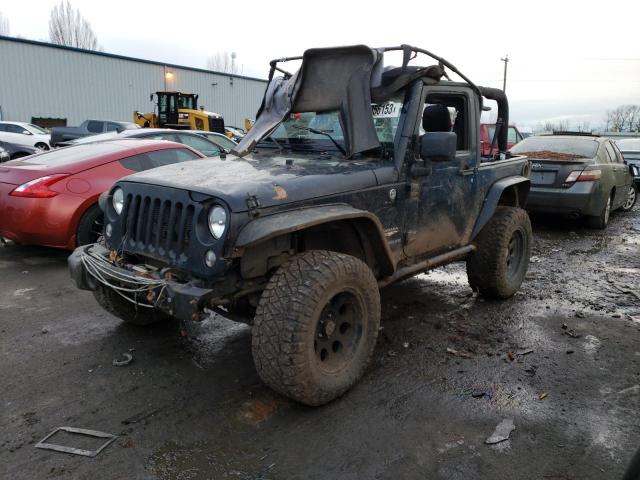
{"x": 436, "y": 118}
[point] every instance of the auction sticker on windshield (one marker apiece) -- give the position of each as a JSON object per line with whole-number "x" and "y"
{"x": 386, "y": 110}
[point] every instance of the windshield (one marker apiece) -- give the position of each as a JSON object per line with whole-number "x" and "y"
{"x": 558, "y": 148}
{"x": 186, "y": 101}
{"x": 310, "y": 130}
{"x": 629, "y": 144}
{"x": 93, "y": 138}
{"x": 37, "y": 129}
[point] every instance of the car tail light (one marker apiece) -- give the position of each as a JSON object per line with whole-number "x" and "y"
{"x": 38, "y": 188}
{"x": 583, "y": 176}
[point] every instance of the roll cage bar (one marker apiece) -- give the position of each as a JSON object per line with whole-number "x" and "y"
{"x": 409, "y": 53}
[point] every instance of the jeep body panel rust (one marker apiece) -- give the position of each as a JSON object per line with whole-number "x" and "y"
{"x": 353, "y": 177}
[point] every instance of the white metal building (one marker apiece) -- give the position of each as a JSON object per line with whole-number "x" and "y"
{"x": 42, "y": 80}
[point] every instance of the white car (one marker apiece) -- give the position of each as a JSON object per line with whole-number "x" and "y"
{"x": 23, "y": 133}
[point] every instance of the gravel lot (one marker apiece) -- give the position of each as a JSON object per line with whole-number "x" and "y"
{"x": 561, "y": 358}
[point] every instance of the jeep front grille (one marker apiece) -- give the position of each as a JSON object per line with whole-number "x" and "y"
{"x": 157, "y": 226}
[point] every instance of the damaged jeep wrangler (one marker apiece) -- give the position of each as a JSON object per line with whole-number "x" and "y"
{"x": 354, "y": 176}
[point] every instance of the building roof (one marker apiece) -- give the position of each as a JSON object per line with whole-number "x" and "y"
{"x": 123, "y": 57}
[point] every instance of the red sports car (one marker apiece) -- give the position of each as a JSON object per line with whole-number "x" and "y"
{"x": 52, "y": 198}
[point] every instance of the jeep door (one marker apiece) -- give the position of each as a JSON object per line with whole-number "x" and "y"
{"x": 444, "y": 197}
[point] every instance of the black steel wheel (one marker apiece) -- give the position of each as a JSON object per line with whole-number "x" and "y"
{"x": 515, "y": 252}
{"x": 339, "y": 331}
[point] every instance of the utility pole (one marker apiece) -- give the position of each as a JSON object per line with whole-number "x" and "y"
{"x": 504, "y": 80}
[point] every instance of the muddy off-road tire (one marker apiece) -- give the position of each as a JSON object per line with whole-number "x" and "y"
{"x": 498, "y": 266}
{"x": 316, "y": 326}
{"x": 117, "y": 306}
{"x": 601, "y": 221}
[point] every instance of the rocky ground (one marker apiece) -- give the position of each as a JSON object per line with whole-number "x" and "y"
{"x": 561, "y": 358}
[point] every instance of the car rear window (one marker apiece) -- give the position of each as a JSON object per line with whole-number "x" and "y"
{"x": 556, "y": 148}
{"x": 157, "y": 158}
{"x": 63, "y": 156}
{"x": 629, "y": 144}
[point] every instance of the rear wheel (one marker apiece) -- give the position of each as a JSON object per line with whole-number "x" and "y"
{"x": 630, "y": 201}
{"x": 90, "y": 226}
{"x": 499, "y": 265}
{"x": 601, "y": 221}
{"x": 125, "y": 310}
{"x": 316, "y": 326}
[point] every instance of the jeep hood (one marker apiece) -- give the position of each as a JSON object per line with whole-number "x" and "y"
{"x": 272, "y": 179}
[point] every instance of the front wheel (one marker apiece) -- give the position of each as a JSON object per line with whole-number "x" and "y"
{"x": 498, "y": 266}
{"x": 630, "y": 201}
{"x": 42, "y": 146}
{"x": 90, "y": 226}
{"x": 316, "y": 326}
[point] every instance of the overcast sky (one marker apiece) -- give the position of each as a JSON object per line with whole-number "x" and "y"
{"x": 569, "y": 59}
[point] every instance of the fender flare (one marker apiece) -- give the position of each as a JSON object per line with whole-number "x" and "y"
{"x": 493, "y": 197}
{"x": 281, "y": 223}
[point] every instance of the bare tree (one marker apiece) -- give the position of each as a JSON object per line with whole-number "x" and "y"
{"x": 625, "y": 118}
{"x": 68, "y": 27}
{"x": 584, "y": 126}
{"x": 223, "y": 62}
{"x": 559, "y": 126}
{"x": 4, "y": 25}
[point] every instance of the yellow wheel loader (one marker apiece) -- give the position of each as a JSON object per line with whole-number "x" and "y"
{"x": 180, "y": 111}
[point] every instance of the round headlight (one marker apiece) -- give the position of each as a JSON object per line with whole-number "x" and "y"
{"x": 117, "y": 200}
{"x": 217, "y": 221}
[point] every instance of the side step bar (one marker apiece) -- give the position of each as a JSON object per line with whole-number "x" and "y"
{"x": 425, "y": 265}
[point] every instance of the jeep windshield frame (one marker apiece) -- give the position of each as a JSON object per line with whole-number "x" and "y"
{"x": 309, "y": 131}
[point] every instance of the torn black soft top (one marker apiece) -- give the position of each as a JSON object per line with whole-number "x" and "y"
{"x": 347, "y": 79}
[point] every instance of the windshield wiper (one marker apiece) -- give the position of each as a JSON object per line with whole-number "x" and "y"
{"x": 268, "y": 139}
{"x": 325, "y": 133}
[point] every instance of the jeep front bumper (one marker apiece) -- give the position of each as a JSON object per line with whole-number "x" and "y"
{"x": 91, "y": 267}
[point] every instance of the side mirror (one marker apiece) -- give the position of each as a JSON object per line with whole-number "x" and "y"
{"x": 119, "y": 130}
{"x": 634, "y": 170}
{"x": 26, "y": 132}
{"x": 438, "y": 146}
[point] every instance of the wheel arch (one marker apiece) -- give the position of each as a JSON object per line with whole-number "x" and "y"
{"x": 74, "y": 221}
{"x": 510, "y": 191}
{"x": 339, "y": 228}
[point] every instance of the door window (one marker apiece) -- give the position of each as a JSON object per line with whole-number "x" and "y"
{"x": 15, "y": 129}
{"x": 611, "y": 153}
{"x": 164, "y": 136}
{"x": 457, "y": 105}
{"x": 158, "y": 158}
{"x": 95, "y": 127}
{"x": 203, "y": 145}
{"x": 113, "y": 127}
{"x": 619, "y": 156}
{"x": 512, "y": 136}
